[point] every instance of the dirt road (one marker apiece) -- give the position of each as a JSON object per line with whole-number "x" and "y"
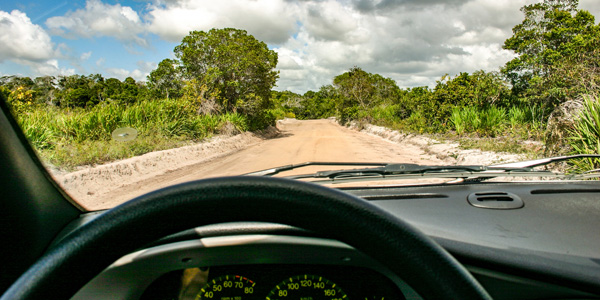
{"x": 299, "y": 141}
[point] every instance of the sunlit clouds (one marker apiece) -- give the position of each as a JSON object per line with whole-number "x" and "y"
{"x": 412, "y": 42}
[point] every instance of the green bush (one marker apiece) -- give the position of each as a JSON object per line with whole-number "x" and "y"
{"x": 261, "y": 120}
{"x": 385, "y": 115}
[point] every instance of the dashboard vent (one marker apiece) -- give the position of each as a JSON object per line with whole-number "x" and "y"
{"x": 564, "y": 191}
{"x": 495, "y": 200}
{"x": 404, "y": 196}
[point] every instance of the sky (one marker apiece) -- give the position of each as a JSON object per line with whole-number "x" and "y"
{"x": 414, "y": 42}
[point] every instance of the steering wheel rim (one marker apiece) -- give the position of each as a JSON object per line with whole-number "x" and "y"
{"x": 84, "y": 253}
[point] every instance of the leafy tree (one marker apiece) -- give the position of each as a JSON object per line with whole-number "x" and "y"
{"x": 13, "y": 82}
{"x": 356, "y": 86}
{"x": 113, "y": 88}
{"x": 45, "y": 88}
{"x": 386, "y": 90}
{"x": 231, "y": 65}
{"x": 360, "y": 91}
{"x": 320, "y": 104}
{"x": 76, "y": 91}
{"x": 286, "y": 99}
{"x": 165, "y": 81}
{"x": 129, "y": 91}
{"x": 553, "y": 38}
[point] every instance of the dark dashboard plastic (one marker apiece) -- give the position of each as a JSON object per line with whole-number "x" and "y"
{"x": 554, "y": 236}
{"x": 548, "y": 248}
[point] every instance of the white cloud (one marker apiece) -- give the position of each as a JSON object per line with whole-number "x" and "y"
{"x": 413, "y": 42}
{"x": 86, "y": 55}
{"x": 271, "y": 21}
{"x": 593, "y": 6}
{"x": 51, "y": 67}
{"x": 100, "y": 19}
{"x": 139, "y": 74}
{"x": 28, "y": 45}
{"x": 43, "y": 68}
{"x": 23, "y": 40}
{"x": 330, "y": 20}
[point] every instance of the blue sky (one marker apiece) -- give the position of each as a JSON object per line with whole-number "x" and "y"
{"x": 413, "y": 42}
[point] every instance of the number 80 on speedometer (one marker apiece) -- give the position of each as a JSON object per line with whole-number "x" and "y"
{"x": 307, "y": 287}
{"x": 228, "y": 287}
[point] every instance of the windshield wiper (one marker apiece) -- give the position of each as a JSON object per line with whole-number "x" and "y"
{"x": 415, "y": 169}
{"x": 277, "y": 170}
{"x": 406, "y": 170}
{"x": 544, "y": 161}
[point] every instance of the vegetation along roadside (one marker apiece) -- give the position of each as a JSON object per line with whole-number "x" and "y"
{"x": 222, "y": 81}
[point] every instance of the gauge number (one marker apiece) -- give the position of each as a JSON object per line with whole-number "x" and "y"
{"x": 232, "y": 287}
{"x": 304, "y": 287}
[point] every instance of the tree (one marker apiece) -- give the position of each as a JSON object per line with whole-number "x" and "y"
{"x": 113, "y": 88}
{"x": 165, "y": 81}
{"x": 554, "y": 37}
{"x": 77, "y": 91}
{"x": 231, "y": 65}
{"x": 356, "y": 86}
{"x": 318, "y": 105}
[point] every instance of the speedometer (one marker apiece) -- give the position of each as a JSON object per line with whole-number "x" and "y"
{"x": 306, "y": 287}
{"x": 227, "y": 287}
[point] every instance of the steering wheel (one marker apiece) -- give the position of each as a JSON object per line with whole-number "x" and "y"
{"x": 84, "y": 253}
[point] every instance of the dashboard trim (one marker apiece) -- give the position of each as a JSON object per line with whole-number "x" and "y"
{"x": 130, "y": 275}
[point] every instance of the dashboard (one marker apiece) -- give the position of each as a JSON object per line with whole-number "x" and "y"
{"x": 544, "y": 249}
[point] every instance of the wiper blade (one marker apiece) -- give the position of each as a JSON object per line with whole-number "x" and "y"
{"x": 277, "y": 170}
{"x": 379, "y": 169}
{"x": 411, "y": 169}
{"x": 544, "y": 161}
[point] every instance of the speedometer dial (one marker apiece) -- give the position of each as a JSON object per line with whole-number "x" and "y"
{"x": 227, "y": 287}
{"x": 306, "y": 287}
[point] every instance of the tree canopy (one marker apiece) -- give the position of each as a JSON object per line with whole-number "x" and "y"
{"x": 166, "y": 79}
{"x": 230, "y": 66}
{"x": 556, "y": 44}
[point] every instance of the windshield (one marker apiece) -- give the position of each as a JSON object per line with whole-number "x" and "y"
{"x": 119, "y": 98}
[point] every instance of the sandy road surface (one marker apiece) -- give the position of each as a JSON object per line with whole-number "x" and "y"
{"x": 299, "y": 141}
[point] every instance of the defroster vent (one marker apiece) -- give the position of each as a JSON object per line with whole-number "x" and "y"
{"x": 495, "y": 200}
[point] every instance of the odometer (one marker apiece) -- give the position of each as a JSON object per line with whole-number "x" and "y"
{"x": 227, "y": 287}
{"x": 306, "y": 287}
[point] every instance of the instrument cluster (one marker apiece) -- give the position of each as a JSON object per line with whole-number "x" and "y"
{"x": 274, "y": 282}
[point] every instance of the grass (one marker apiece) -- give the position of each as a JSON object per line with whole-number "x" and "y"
{"x": 585, "y": 136}
{"x": 515, "y": 130}
{"x": 68, "y": 138}
{"x": 509, "y": 144}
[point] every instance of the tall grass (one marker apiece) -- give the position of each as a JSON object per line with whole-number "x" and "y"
{"x": 493, "y": 121}
{"x": 516, "y": 116}
{"x": 488, "y": 122}
{"x": 465, "y": 119}
{"x": 85, "y": 135}
{"x": 585, "y": 136}
{"x": 386, "y": 114}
